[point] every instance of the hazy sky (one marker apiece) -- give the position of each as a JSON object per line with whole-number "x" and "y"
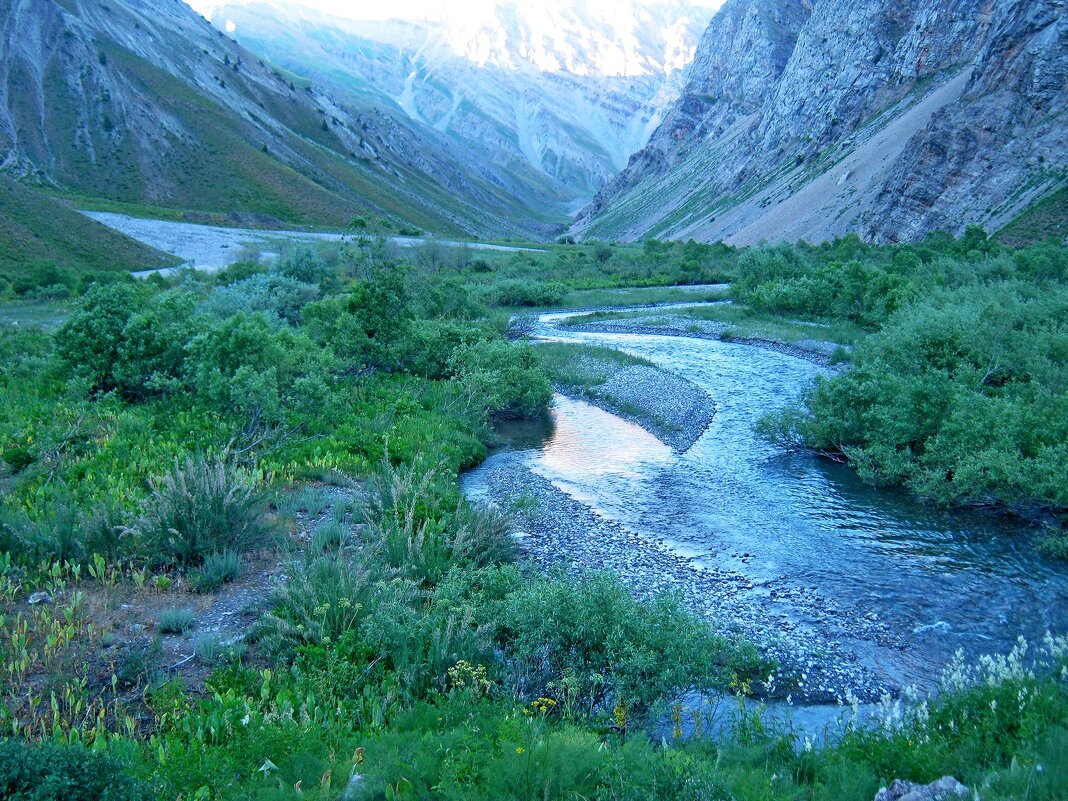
{"x": 414, "y": 9}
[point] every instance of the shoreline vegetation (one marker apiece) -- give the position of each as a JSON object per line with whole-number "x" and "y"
{"x": 235, "y": 561}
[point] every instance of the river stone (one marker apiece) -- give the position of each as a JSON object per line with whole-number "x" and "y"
{"x": 944, "y": 789}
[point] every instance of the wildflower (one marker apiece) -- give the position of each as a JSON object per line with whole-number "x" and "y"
{"x": 520, "y": 749}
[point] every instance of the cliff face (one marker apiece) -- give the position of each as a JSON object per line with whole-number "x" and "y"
{"x": 144, "y": 101}
{"x": 809, "y": 120}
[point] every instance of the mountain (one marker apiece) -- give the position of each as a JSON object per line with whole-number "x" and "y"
{"x": 808, "y": 119}
{"x": 36, "y": 229}
{"x": 144, "y": 101}
{"x": 562, "y": 90}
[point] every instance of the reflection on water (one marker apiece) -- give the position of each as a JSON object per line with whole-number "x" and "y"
{"x": 940, "y": 580}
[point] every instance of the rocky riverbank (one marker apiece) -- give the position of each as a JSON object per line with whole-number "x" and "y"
{"x": 672, "y": 409}
{"x": 803, "y": 632}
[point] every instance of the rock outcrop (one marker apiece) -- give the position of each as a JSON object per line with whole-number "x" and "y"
{"x": 808, "y": 119}
{"x": 945, "y": 789}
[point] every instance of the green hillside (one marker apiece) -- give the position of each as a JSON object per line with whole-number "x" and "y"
{"x": 36, "y": 228}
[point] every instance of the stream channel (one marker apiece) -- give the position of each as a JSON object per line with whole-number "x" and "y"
{"x": 856, "y": 591}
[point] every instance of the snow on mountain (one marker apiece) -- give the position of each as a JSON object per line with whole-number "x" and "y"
{"x": 566, "y": 88}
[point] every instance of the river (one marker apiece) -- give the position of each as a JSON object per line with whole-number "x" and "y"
{"x": 808, "y": 555}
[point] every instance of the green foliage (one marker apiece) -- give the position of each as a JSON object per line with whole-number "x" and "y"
{"x": 54, "y": 772}
{"x": 506, "y": 376}
{"x": 175, "y": 621}
{"x": 962, "y": 397}
{"x": 202, "y": 506}
{"x": 280, "y": 297}
{"x": 421, "y": 538}
{"x": 520, "y": 292}
{"x": 588, "y": 644}
{"x": 303, "y": 265}
{"x": 218, "y": 569}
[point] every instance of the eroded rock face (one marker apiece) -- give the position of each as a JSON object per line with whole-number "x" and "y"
{"x": 945, "y": 789}
{"x": 813, "y": 119}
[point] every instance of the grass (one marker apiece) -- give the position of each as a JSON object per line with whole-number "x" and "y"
{"x": 639, "y": 296}
{"x": 33, "y": 314}
{"x": 175, "y": 621}
{"x": 584, "y": 367}
{"x": 36, "y": 227}
{"x": 218, "y": 569}
{"x": 1047, "y": 219}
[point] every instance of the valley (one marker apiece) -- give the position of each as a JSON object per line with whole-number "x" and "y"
{"x": 567, "y": 400}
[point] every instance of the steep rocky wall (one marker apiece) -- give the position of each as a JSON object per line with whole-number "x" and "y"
{"x": 887, "y": 119}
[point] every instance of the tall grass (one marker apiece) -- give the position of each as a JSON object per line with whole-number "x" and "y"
{"x": 410, "y": 530}
{"x": 203, "y": 505}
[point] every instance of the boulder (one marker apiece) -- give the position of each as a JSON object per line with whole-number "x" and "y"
{"x": 945, "y": 789}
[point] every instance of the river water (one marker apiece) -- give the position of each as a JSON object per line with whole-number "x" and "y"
{"x": 815, "y": 545}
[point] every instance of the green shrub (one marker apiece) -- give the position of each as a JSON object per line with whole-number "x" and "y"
{"x": 588, "y": 644}
{"x": 520, "y": 292}
{"x": 175, "y": 621}
{"x": 961, "y": 397}
{"x": 245, "y": 366}
{"x": 50, "y": 771}
{"x": 320, "y": 600}
{"x": 203, "y": 506}
{"x": 303, "y": 264}
{"x": 507, "y": 377}
{"x": 218, "y": 569}
{"x": 279, "y": 297}
{"x": 414, "y": 533}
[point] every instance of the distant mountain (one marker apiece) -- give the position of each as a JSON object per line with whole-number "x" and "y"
{"x": 564, "y": 89}
{"x": 144, "y": 101}
{"x": 807, "y": 119}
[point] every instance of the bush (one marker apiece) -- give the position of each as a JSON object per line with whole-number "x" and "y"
{"x": 521, "y": 292}
{"x": 218, "y": 569}
{"x": 593, "y": 648}
{"x": 364, "y": 326}
{"x": 53, "y": 772}
{"x": 280, "y": 297}
{"x": 175, "y": 621}
{"x": 960, "y": 397}
{"x": 411, "y": 532}
{"x": 247, "y": 367}
{"x": 302, "y": 264}
{"x": 507, "y": 377}
{"x": 202, "y": 506}
{"x": 321, "y": 600}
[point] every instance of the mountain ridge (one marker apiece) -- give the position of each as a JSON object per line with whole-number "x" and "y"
{"x": 143, "y": 101}
{"x": 848, "y": 132}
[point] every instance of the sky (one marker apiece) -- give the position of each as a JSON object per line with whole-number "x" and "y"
{"x": 413, "y": 9}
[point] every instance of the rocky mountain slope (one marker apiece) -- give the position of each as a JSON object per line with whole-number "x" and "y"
{"x": 807, "y": 119}
{"x": 563, "y": 91}
{"x": 143, "y": 101}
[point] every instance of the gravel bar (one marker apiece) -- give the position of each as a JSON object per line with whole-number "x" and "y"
{"x": 669, "y": 407}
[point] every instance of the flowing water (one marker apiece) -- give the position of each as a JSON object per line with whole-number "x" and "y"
{"x": 791, "y": 523}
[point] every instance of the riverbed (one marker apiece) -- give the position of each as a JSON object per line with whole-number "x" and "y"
{"x": 856, "y": 592}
